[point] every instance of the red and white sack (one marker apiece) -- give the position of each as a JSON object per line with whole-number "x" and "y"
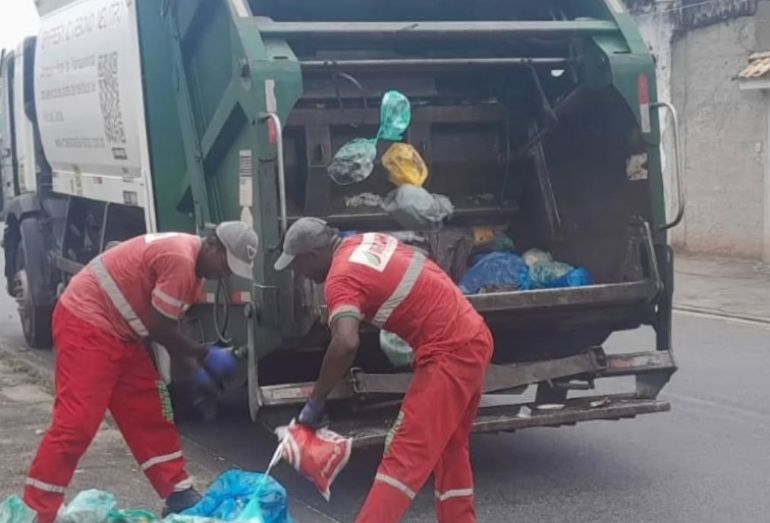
{"x": 319, "y": 455}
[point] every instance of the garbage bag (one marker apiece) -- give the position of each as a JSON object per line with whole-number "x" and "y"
{"x": 353, "y": 162}
{"x": 131, "y": 516}
{"x": 487, "y": 239}
{"x": 404, "y": 165}
{"x": 395, "y": 115}
{"x": 396, "y": 349}
{"x": 496, "y": 271}
{"x": 415, "y": 208}
{"x": 533, "y": 256}
{"x": 578, "y": 277}
{"x": 319, "y": 455}
{"x": 243, "y": 497}
{"x": 546, "y": 273}
{"x": 14, "y": 510}
{"x": 89, "y": 506}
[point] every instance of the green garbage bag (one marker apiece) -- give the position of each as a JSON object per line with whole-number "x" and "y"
{"x": 396, "y": 349}
{"x": 395, "y": 115}
{"x": 131, "y": 516}
{"x": 14, "y": 510}
{"x": 354, "y": 161}
{"x": 89, "y": 506}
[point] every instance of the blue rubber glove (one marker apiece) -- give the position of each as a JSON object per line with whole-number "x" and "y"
{"x": 202, "y": 378}
{"x": 220, "y": 362}
{"x": 311, "y": 414}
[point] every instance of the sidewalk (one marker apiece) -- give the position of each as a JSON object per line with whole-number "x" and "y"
{"x": 25, "y": 412}
{"x": 729, "y": 287}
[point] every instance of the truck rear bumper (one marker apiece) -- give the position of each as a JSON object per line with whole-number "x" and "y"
{"x": 522, "y": 416}
{"x": 499, "y": 412}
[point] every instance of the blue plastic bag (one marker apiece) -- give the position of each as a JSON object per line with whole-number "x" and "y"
{"x": 242, "y": 496}
{"x": 496, "y": 271}
{"x": 579, "y": 277}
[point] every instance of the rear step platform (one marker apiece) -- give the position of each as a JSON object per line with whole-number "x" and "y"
{"x": 372, "y": 428}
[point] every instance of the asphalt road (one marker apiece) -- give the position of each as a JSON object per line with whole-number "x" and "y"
{"x": 705, "y": 461}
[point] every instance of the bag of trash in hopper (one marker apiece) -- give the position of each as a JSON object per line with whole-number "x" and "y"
{"x": 396, "y": 349}
{"x": 404, "y": 165}
{"x": 244, "y": 497}
{"x": 319, "y": 455}
{"x": 353, "y": 162}
{"x": 547, "y": 273}
{"x": 496, "y": 271}
{"x": 416, "y": 209}
{"x": 395, "y": 116}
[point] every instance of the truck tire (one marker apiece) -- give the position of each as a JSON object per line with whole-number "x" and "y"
{"x": 35, "y": 308}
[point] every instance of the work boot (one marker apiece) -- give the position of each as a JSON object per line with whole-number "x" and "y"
{"x": 180, "y": 501}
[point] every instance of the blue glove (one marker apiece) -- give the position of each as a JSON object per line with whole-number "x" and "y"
{"x": 201, "y": 378}
{"x": 220, "y": 362}
{"x": 311, "y": 414}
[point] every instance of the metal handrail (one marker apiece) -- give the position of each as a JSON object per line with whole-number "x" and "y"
{"x": 680, "y": 190}
{"x": 281, "y": 170}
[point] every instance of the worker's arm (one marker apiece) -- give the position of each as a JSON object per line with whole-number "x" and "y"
{"x": 339, "y": 356}
{"x": 165, "y": 331}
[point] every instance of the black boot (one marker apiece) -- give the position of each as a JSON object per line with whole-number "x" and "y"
{"x": 180, "y": 501}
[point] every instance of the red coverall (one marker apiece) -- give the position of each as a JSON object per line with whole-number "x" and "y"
{"x": 378, "y": 280}
{"x": 103, "y": 363}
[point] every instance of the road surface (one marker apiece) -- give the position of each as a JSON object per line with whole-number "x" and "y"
{"x": 707, "y": 460}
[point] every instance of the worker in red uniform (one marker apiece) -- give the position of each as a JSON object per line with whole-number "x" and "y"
{"x": 134, "y": 292}
{"x": 374, "y": 278}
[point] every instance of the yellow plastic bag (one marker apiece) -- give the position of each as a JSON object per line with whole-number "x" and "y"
{"x": 404, "y": 165}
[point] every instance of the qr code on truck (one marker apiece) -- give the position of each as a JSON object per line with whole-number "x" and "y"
{"x": 109, "y": 98}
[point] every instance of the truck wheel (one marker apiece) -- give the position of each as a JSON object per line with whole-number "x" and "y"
{"x": 35, "y": 319}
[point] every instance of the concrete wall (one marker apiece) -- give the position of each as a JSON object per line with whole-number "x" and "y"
{"x": 725, "y": 131}
{"x": 724, "y": 134}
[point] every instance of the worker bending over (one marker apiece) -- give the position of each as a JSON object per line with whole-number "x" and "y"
{"x": 372, "y": 277}
{"x": 132, "y": 293}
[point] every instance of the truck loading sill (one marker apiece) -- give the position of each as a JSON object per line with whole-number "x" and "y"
{"x": 515, "y": 417}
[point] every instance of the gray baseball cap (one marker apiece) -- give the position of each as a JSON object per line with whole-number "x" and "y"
{"x": 241, "y": 243}
{"x": 305, "y": 235}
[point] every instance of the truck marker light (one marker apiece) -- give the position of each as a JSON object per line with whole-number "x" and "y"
{"x": 643, "y": 88}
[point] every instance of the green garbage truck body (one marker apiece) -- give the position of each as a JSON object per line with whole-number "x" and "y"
{"x": 536, "y": 118}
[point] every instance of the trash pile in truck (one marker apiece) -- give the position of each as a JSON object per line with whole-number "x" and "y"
{"x": 479, "y": 259}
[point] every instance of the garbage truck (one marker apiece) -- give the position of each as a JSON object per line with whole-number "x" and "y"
{"x": 539, "y": 119}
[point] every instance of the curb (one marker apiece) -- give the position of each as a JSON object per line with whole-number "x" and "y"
{"x": 717, "y": 313}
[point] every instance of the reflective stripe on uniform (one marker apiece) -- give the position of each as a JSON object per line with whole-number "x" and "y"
{"x": 161, "y": 459}
{"x": 454, "y": 493}
{"x": 402, "y": 290}
{"x": 345, "y": 310}
{"x": 46, "y": 487}
{"x": 117, "y": 298}
{"x": 393, "y": 482}
{"x": 170, "y": 300}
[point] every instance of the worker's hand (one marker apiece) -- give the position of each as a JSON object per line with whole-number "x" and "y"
{"x": 205, "y": 394}
{"x": 311, "y": 414}
{"x": 202, "y": 379}
{"x": 220, "y": 362}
